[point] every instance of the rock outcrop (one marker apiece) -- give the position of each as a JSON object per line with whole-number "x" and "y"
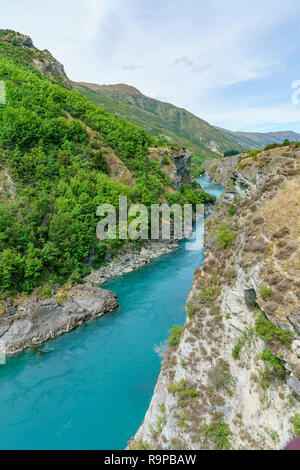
{"x": 43, "y": 61}
{"x": 233, "y": 381}
{"x": 49, "y": 66}
{"x": 176, "y": 164}
{"x": 23, "y": 40}
{"x": 38, "y": 320}
{"x": 220, "y": 170}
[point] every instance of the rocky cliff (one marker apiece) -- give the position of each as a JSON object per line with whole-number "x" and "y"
{"x": 176, "y": 164}
{"x": 43, "y": 61}
{"x": 233, "y": 378}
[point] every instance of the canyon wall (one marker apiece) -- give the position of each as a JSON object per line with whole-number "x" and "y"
{"x": 232, "y": 381}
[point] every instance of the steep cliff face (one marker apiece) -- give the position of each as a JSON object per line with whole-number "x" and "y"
{"x": 176, "y": 164}
{"x": 233, "y": 381}
{"x": 43, "y": 61}
{"x": 49, "y": 66}
{"x": 220, "y": 171}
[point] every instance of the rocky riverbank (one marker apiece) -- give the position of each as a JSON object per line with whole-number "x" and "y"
{"x": 233, "y": 379}
{"x": 131, "y": 261}
{"x": 37, "y": 320}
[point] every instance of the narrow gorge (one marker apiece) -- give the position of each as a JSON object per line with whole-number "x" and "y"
{"x": 233, "y": 379}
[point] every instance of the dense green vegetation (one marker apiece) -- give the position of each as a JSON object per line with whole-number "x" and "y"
{"x": 230, "y": 153}
{"x": 285, "y": 143}
{"x": 53, "y": 176}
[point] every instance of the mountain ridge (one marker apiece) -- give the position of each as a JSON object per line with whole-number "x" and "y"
{"x": 261, "y": 139}
{"x": 176, "y": 124}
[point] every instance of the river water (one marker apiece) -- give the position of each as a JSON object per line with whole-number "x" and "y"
{"x": 90, "y": 388}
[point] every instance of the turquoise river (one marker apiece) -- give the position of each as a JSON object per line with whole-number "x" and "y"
{"x": 90, "y": 388}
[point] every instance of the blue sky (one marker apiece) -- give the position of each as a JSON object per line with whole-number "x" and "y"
{"x": 229, "y": 62}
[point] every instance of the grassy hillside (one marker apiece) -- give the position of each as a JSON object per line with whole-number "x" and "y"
{"x": 176, "y": 124}
{"x": 158, "y": 118}
{"x": 53, "y": 173}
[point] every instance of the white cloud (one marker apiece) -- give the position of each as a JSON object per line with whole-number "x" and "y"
{"x": 98, "y": 11}
{"x": 190, "y": 52}
{"x": 190, "y": 65}
{"x": 132, "y": 67}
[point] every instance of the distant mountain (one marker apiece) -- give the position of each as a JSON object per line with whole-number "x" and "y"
{"x": 159, "y": 118}
{"x": 176, "y": 124}
{"x": 255, "y": 140}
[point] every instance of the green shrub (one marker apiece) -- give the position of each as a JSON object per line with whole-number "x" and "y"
{"x": 221, "y": 378}
{"x": 265, "y": 292}
{"x": 273, "y": 370}
{"x": 99, "y": 162}
{"x": 183, "y": 391}
{"x": 191, "y": 310}
{"x": 231, "y": 273}
{"x": 254, "y": 153}
{"x": 266, "y": 330}
{"x": 232, "y": 210}
{"x": 96, "y": 145}
{"x": 197, "y": 171}
{"x": 231, "y": 153}
{"x": 207, "y": 295}
{"x": 268, "y": 357}
{"x": 285, "y": 143}
{"x": 218, "y": 432}
{"x": 175, "y": 335}
{"x": 225, "y": 235}
{"x": 182, "y": 420}
{"x": 139, "y": 445}
{"x": 236, "y": 350}
{"x": 296, "y": 422}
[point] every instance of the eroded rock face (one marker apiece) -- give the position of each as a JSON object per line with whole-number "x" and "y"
{"x": 38, "y": 320}
{"x": 243, "y": 311}
{"x": 182, "y": 160}
{"x": 220, "y": 170}
{"x": 50, "y": 67}
{"x": 43, "y": 61}
{"x": 176, "y": 164}
{"x": 25, "y": 41}
{"x": 294, "y": 385}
